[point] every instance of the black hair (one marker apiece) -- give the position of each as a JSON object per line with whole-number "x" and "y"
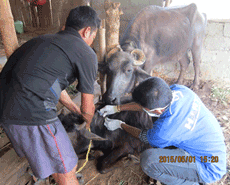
{"x": 152, "y": 93}
{"x": 83, "y": 16}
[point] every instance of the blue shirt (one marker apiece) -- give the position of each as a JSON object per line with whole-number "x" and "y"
{"x": 189, "y": 125}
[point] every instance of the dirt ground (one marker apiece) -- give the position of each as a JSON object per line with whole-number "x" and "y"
{"x": 130, "y": 173}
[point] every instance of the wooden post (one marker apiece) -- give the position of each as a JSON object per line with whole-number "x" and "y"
{"x": 57, "y": 13}
{"x": 34, "y": 16}
{"x": 112, "y": 24}
{"x": 44, "y": 15}
{"x": 7, "y": 28}
{"x": 101, "y": 54}
{"x": 22, "y": 6}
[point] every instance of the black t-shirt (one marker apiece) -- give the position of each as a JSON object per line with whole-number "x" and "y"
{"x": 34, "y": 76}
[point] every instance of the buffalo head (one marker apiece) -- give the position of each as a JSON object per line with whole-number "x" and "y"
{"x": 123, "y": 73}
{"x": 75, "y": 127}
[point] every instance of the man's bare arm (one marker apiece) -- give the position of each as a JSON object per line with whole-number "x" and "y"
{"x": 68, "y": 103}
{"x": 131, "y": 107}
{"x": 87, "y": 108}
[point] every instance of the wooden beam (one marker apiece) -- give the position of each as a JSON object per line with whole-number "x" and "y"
{"x": 12, "y": 167}
{"x": 3, "y": 140}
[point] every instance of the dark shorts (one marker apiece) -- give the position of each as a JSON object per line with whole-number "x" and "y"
{"x": 47, "y": 147}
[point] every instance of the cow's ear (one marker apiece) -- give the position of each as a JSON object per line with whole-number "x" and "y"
{"x": 114, "y": 50}
{"x": 140, "y": 75}
{"x": 139, "y": 57}
{"x": 91, "y": 135}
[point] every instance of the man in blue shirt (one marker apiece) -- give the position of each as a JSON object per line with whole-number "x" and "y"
{"x": 183, "y": 122}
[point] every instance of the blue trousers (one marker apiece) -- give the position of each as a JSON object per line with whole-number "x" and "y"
{"x": 47, "y": 148}
{"x": 155, "y": 162}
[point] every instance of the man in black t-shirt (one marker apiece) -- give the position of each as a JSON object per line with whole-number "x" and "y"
{"x": 34, "y": 79}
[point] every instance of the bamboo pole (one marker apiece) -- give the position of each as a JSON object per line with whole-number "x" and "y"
{"x": 7, "y": 28}
{"x": 51, "y": 13}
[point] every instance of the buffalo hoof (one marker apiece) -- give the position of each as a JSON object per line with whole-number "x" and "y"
{"x": 80, "y": 178}
{"x": 103, "y": 171}
{"x": 101, "y": 166}
{"x": 194, "y": 87}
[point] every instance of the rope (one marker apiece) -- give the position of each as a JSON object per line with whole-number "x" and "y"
{"x": 87, "y": 155}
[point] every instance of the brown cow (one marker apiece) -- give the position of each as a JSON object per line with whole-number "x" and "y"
{"x": 161, "y": 35}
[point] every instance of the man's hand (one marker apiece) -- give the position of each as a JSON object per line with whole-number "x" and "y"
{"x": 109, "y": 109}
{"x": 113, "y": 124}
{"x": 68, "y": 103}
{"x": 88, "y": 118}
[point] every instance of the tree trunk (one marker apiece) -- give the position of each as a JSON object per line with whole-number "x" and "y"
{"x": 7, "y": 28}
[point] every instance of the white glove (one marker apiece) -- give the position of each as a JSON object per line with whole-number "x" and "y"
{"x": 108, "y": 109}
{"x": 113, "y": 124}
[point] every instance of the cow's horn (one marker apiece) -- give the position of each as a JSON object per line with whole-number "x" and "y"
{"x": 114, "y": 50}
{"x": 90, "y": 135}
{"x": 139, "y": 57}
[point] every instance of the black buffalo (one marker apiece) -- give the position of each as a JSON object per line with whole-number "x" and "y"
{"x": 161, "y": 35}
{"x": 118, "y": 143}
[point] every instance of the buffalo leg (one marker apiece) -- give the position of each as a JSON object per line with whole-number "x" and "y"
{"x": 196, "y": 51}
{"x": 184, "y": 61}
{"x": 104, "y": 163}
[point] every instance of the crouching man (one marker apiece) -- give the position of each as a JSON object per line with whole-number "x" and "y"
{"x": 184, "y": 122}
